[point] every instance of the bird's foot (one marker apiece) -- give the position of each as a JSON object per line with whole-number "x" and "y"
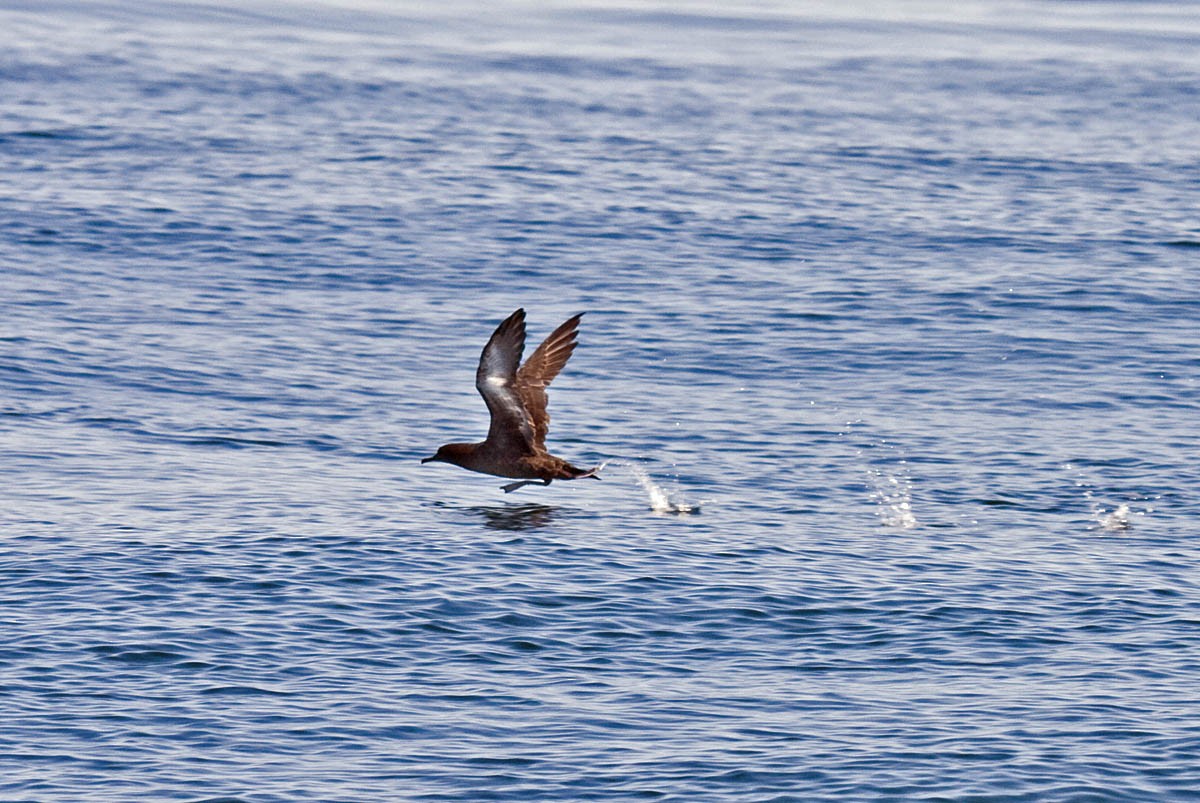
{"x": 594, "y": 473}
{"x": 512, "y": 486}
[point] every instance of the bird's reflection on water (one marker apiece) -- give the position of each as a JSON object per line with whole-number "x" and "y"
{"x": 516, "y": 517}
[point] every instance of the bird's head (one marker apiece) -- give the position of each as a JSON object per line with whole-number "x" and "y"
{"x": 454, "y": 453}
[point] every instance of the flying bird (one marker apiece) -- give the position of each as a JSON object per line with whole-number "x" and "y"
{"x": 515, "y": 446}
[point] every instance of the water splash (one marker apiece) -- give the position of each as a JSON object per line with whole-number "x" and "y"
{"x": 888, "y": 487}
{"x": 1116, "y": 519}
{"x": 1112, "y": 518}
{"x": 660, "y": 500}
{"x": 892, "y": 494}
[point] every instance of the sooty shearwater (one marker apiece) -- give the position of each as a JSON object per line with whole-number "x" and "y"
{"x": 516, "y": 397}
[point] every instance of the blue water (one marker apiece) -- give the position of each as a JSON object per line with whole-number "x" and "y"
{"x": 892, "y": 342}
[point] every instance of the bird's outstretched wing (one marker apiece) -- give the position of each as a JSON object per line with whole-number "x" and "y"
{"x": 496, "y": 379}
{"x": 539, "y": 371}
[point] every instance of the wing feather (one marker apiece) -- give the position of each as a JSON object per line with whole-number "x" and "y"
{"x": 539, "y": 371}
{"x": 497, "y": 381}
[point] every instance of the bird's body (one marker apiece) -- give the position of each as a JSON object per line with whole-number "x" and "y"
{"x": 515, "y": 395}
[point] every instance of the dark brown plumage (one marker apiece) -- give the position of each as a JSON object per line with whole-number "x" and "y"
{"x": 515, "y": 395}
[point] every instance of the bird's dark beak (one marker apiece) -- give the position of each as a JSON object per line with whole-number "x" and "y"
{"x": 429, "y": 459}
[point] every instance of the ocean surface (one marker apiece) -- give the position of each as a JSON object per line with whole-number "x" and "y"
{"x": 892, "y": 348}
